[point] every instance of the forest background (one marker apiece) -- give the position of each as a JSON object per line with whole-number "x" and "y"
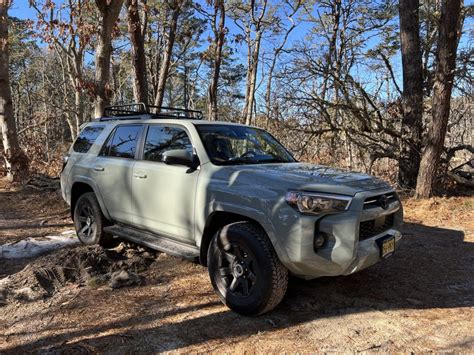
{"x": 383, "y": 86}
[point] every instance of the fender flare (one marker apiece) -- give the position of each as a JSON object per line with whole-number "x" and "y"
{"x": 88, "y": 181}
{"x": 252, "y": 214}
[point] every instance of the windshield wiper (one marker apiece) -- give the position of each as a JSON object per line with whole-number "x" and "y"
{"x": 273, "y": 160}
{"x": 238, "y": 161}
{"x": 241, "y": 161}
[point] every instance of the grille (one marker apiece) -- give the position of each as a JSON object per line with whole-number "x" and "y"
{"x": 375, "y": 201}
{"x": 368, "y": 229}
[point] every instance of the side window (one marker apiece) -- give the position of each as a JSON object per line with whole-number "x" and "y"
{"x": 122, "y": 142}
{"x": 162, "y": 138}
{"x": 87, "y": 138}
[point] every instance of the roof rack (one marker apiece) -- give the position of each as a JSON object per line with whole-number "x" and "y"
{"x": 140, "y": 110}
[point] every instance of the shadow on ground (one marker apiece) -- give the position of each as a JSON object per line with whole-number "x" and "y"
{"x": 432, "y": 268}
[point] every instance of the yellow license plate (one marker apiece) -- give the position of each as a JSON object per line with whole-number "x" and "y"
{"x": 388, "y": 247}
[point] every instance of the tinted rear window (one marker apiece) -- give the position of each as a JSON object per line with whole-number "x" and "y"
{"x": 123, "y": 142}
{"x": 87, "y": 138}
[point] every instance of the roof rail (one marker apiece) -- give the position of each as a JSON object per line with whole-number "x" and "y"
{"x": 140, "y": 110}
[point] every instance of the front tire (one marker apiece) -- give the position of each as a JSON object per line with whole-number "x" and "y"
{"x": 245, "y": 270}
{"x": 89, "y": 221}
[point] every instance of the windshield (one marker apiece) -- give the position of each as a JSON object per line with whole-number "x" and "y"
{"x": 232, "y": 145}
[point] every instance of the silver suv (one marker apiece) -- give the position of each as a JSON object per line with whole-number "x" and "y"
{"x": 229, "y": 196}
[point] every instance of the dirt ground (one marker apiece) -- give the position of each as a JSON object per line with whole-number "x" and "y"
{"x": 420, "y": 299}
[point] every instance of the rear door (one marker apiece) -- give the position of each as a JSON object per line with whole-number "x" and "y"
{"x": 163, "y": 195}
{"x": 112, "y": 170}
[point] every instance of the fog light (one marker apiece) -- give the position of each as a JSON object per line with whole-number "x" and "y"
{"x": 319, "y": 240}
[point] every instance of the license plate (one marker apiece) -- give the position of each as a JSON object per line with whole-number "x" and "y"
{"x": 387, "y": 246}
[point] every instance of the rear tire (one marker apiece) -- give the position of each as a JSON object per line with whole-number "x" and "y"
{"x": 89, "y": 222}
{"x": 245, "y": 270}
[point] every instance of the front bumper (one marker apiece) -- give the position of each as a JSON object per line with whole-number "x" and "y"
{"x": 344, "y": 252}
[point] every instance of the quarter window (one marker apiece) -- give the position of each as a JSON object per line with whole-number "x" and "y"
{"x": 160, "y": 139}
{"x": 123, "y": 142}
{"x": 87, "y": 138}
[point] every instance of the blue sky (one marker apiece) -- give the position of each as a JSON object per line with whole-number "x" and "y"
{"x": 21, "y": 9}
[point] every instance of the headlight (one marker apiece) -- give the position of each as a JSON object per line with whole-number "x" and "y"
{"x": 316, "y": 204}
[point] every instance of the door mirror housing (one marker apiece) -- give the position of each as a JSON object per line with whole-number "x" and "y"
{"x": 180, "y": 157}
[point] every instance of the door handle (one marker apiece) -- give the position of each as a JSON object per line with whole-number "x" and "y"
{"x": 139, "y": 176}
{"x": 98, "y": 168}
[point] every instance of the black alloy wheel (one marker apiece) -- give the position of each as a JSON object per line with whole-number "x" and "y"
{"x": 244, "y": 269}
{"x": 87, "y": 226}
{"x": 237, "y": 270}
{"x": 89, "y": 222}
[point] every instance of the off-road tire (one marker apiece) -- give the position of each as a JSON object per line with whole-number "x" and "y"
{"x": 253, "y": 294}
{"x": 87, "y": 206}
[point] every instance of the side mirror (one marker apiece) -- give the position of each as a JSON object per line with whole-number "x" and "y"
{"x": 180, "y": 157}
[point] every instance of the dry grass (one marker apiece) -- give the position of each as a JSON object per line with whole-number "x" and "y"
{"x": 455, "y": 212}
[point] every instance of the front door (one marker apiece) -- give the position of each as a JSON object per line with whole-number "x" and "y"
{"x": 163, "y": 195}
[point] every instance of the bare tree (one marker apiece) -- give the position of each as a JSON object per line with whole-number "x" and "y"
{"x": 109, "y": 10}
{"x": 323, "y": 96}
{"x": 412, "y": 96}
{"x": 175, "y": 8}
{"x": 137, "y": 34}
{"x": 70, "y": 46}
{"x": 15, "y": 160}
{"x": 449, "y": 29}
{"x": 251, "y": 18}
{"x": 219, "y": 30}
{"x": 276, "y": 53}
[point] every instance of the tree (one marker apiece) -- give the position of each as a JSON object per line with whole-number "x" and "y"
{"x": 109, "y": 10}
{"x": 15, "y": 160}
{"x": 175, "y": 8}
{"x": 136, "y": 30}
{"x": 67, "y": 30}
{"x": 331, "y": 110}
{"x": 253, "y": 19}
{"x": 412, "y": 96}
{"x": 293, "y": 9}
{"x": 186, "y": 61}
{"x": 449, "y": 28}
{"x": 217, "y": 21}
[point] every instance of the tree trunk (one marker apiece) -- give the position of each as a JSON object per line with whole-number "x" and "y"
{"x": 65, "y": 73}
{"x": 15, "y": 159}
{"x": 331, "y": 55}
{"x": 412, "y": 97}
{"x": 248, "y": 75}
{"x": 79, "y": 107}
{"x": 219, "y": 34}
{"x": 165, "y": 64}
{"x": 75, "y": 66}
{"x": 110, "y": 10}
{"x": 442, "y": 88}
{"x": 253, "y": 78}
{"x": 140, "y": 80}
{"x": 268, "y": 90}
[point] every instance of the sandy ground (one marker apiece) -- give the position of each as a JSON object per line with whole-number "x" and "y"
{"x": 420, "y": 299}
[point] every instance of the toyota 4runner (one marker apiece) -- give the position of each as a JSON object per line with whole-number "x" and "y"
{"x": 226, "y": 195}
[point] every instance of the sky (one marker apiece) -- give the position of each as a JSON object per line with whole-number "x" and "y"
{"x": 21, "y": 9}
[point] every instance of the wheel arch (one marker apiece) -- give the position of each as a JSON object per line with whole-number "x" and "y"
{"x": 215, "y": 222}
{"x": 81, "y": 187}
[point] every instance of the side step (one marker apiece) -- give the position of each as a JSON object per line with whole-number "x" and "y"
{"x": 156, "y": 242}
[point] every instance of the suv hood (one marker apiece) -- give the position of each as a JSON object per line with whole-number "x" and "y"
{"x": 308, "y": 177}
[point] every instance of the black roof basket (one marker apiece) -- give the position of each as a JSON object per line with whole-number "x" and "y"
{"x": 142, "y": 111}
